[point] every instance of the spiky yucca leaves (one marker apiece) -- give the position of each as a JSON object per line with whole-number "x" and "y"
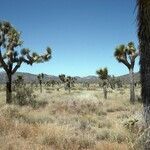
{"x": 62, "y": 78}
{"x": 40, "y": 78}
{"x": 11, "y": 59}
{"x": 127, "y": 54}
{"x": 143, "y": 18}
{"x": 103, "y": 75}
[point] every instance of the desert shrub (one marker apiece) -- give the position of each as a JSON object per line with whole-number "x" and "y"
{"x": 69, "y": 142}
{"x": 5, "y": 125}
{"x": 104, "y": 123}
{"x": 130, "y": 124}
{"x": 116, "y": 108}
{"x": 84, "y": 124}
{"x": 101, "y": 112}
{"x": 38, "y": 104}
{"x": 114, "y": 136}
{"x": 26, "y": 130}
{"x": 123, "y": 116}
{"x": 10, "y": 111}
{"x": 143, "y": 142}
{"x": 79, "y": 107}
{"x": 104, "y": 145}
{"x": 24, "y": 96}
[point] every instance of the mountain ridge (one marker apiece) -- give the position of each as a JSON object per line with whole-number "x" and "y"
{"x": 29, "y": 77}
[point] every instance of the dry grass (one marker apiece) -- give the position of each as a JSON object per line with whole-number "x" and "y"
{"x": 80, "y": 120}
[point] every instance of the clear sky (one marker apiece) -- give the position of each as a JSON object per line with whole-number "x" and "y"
{"x": 82, "y": 33}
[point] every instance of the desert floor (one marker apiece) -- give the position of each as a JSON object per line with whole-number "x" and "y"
{"x": 79, "y": 120}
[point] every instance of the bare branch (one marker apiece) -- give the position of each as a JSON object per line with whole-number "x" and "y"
{"x": 16, "y": 68}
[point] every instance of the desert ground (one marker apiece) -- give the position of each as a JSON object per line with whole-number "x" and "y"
{"x": 79, "y": 120}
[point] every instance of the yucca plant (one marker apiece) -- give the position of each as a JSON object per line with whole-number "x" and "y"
{"x": 127, "y": 55}
{"x": 119, "y": 83}
{"x": 53, "y": 82}
{"x": 103, "y": 75}
{"x": 68, "y": 81}
{"x": 19, "y": 80}
{"x": 11, "y": 58}
{"x": 143, "y": 18}
{"x": 40, "y": 78}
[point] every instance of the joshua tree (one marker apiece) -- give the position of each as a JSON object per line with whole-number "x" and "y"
{"x": 18, "y": 82}
{"x": 127, "y": 55}
{"x": 103, "y": 75}
{"x": 144, "y": 40}
{"x": 69, "y": 81}
{"x": 40, "y": 80}
{"x": 86, "y": 84}
{"x": 112, "y": 82}
{"x": 11, "y": 59}
{"x": 53, "y": 82}
{"x": 119, "y": 83}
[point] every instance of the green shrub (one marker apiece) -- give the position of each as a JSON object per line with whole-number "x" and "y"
{"x": 24, "y": 96}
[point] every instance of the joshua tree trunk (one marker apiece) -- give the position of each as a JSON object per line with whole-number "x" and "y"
{"x": 68, "y": 87}
{"x": 105, "y": 92}
{"x": 41, "y": 86}
{"x": 144, "y": 40}
{"x": 9, "y": 89}
{"x": 132, "y": 92}
{"x": 145, "y": 81}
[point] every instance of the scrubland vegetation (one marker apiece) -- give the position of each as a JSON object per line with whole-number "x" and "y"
{"x": 82, "y": 119}
{"x": 70, "y": 115}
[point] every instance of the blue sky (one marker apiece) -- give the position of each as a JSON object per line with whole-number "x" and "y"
{"x": 82, "y": 33}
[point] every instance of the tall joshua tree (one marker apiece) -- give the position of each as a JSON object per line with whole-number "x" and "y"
{"x": 127, "y": 55}
{"x": 11, "y": 59}
{"x": 144, "y": 41}
{"x": 40, "y": 80}
{"x": 103, "y": 75}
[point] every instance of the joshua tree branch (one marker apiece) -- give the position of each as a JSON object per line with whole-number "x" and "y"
{"x": 17, "y": 66}
{"x": 19, "y": 62}
{"x": 125, "y": 62}
{"x": 30, "y": 59}
{"x": 136, "y": 54}
{"x": 26, "y": 61}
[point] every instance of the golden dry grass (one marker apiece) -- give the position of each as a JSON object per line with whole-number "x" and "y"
{"x": 80, "y": 120}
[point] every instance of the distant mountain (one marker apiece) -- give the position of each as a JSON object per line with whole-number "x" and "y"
{"x": 90, "y": 79}
{"x": 28, "y": 77}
